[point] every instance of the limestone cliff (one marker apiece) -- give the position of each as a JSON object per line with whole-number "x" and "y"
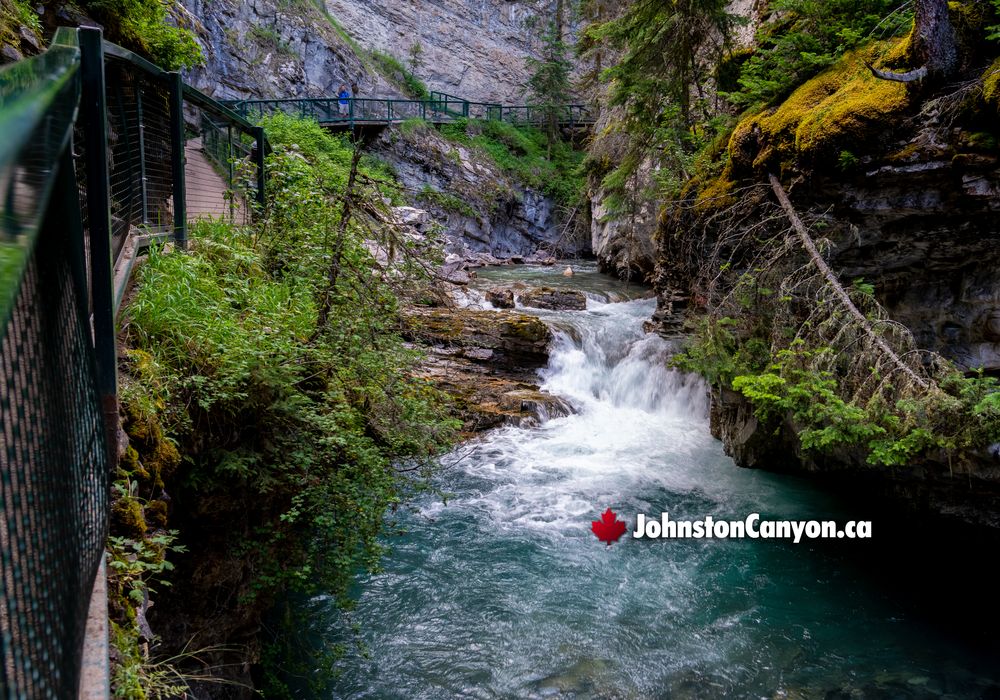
{"x": 475, "y": 49}
{"x": 483, "y": 212}
{"x": 270, "y": 48}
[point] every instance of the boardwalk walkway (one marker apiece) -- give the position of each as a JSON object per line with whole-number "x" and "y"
{"x": 206, "y": 192}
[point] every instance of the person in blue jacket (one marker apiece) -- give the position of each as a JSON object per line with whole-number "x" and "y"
{"x": 345, "y": 97}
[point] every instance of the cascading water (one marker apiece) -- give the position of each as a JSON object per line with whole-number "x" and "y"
{"x": 502, "y": 591}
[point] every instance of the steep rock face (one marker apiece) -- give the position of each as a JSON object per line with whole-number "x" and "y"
{"x": 474, "y": 49}
{"x": 481, "y": 209}
{"x": 927, "y": 232}
{"x": 270, "y": 48}
{"x": 923, "y": 226}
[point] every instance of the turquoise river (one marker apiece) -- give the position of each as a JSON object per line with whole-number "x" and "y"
{"x": 501, "y": 590}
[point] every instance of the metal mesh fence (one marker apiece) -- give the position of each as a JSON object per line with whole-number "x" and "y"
{"x": 53, "y": 459}
{"x": 54, "y": 473}
{"x": 218, "y": 169}
{"x": 57, "y": 352}
{"x": 139, "y": 151}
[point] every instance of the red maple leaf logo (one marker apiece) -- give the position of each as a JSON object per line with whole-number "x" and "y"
{"x": 609, "y": 528}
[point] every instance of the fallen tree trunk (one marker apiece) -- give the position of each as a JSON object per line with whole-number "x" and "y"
{"x": 838, "y": 289}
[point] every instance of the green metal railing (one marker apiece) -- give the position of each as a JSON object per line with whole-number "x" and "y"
{"x": 438, "y": 108}
{"x": 96, "y": 158}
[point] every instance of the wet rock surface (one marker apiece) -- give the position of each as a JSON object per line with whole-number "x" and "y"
{"x": 554, "y": 299}
{"x": 488, "y": 362}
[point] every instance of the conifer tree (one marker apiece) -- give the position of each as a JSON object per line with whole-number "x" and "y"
{"x": 549, "y": 83}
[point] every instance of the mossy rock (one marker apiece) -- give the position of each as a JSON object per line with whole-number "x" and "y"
{"x": 156, "y": 513}
{"x": 840, "y": 108}
{"x": 151, "y": 456}
{"x": 991, "y": 85}
{"x": 127, "y": 518}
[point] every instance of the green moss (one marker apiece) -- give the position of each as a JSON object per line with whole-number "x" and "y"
{"x": 127, "y": 517}
{"x": 151, "y": 456}
{"x": 978, "y": 141}
{"x": 991, "y": 85}
{"x": 838, "y": 109}
{"x": 156, "y": 514}
{"x": 15, "y": 14}
{"x": 527, "y": 328}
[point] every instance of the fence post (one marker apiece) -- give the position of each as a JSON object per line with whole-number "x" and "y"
{"x": 94, "y": 117}
{"x": 177, "y": 158}
{"x": 142, "y": 153}
{"x": 259, "y": 153}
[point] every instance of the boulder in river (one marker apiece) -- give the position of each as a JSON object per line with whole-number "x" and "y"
{"x": 487, "y": 361}
{"x": 500, "y": 298}
{"x": 554, "y": 299}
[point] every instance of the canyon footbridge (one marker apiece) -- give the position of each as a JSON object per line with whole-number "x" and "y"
{"x": 437, "y": 108}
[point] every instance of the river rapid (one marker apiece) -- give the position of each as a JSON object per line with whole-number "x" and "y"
{"x": 502, "y": 591}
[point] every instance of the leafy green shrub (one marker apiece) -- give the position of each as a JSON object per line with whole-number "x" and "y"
{"x": 143, "y": 26}
{"x": 292, "y": 418}
{"x": 523, "y": 153}
{"x": 393, "y": 68}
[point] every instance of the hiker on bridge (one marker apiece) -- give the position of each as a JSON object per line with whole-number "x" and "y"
{"x": 345, "y": 100}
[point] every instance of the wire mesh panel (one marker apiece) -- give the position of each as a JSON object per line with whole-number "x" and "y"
{"x": 139, "y": 151}
{"x": 53, "y": 457}
{"x": 54, "y": 473}
{"x": 57, "y": 352}
{"x": 219, "y": 168}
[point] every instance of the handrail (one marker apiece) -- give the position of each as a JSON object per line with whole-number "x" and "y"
{"x": 134, "y": 58}
{"x": 41, "y": 79}
{"x": 39, "y": 83}
{"x": 439, "y": 103}
{"x": 198, "y": 97}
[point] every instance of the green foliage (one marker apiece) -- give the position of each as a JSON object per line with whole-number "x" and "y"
{"x": 549, "y": 82}
{"x": 802, "y": 37}
{"x": 993, "y": 30}
{"x": 961, "y": 414}
{"x": 143, "y": 26}
{"x": 392, "y": 68}
{"x": 524, "y": 153}
{"x": 847, "y": 161}
{"x": 270, "y": 37}
{"x": 446, "y": 201}
{"x": 15, "y": 14}
{"x": 304, "y": 422}
{"x": 660, "y": 82}
{"x": 136, "y": 565}
{"x": 663, "y": 59}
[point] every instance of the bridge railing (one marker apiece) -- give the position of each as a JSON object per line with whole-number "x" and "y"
{"x": 95, "y": 151}
{"x": 439, "y": 107}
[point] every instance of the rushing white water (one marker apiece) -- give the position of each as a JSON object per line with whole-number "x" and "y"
{"x": 501, "y": 590}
